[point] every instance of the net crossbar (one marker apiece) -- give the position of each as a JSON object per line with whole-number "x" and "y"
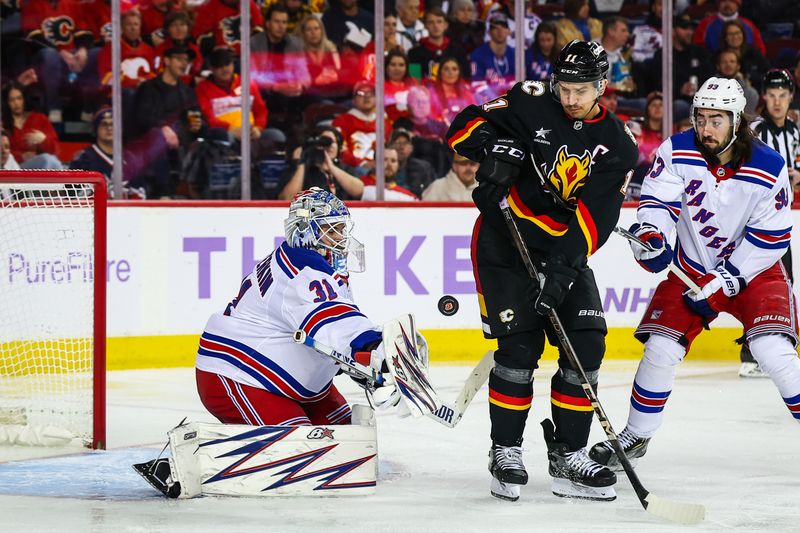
{"x": 52, "y": 308}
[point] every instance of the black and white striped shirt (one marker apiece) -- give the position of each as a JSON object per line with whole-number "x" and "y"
{"x": 785, "y": 140}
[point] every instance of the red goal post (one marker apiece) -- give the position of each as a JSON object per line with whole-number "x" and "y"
{"x": 53, "y": 311}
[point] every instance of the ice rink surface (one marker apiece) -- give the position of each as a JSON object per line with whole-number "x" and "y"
{"x": 727, "y": 443}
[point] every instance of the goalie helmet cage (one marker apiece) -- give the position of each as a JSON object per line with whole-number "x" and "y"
{"x": 52, "y": 315}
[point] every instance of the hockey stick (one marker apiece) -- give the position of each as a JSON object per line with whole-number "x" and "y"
{"x": 349, "y": 365}
{"x": 672, "y": 267}
{"x": 682, "y": 513}
{"x": 446, "y": 414}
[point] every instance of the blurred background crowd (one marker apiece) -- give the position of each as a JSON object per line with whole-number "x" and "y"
{"x": 312, "y": 84}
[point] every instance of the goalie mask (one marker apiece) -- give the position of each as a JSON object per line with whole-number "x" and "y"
{"x": 320, "y": 221}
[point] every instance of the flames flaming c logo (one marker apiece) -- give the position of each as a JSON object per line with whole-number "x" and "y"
{"x": 569, "y": 174}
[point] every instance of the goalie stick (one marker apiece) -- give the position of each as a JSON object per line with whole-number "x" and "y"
{"x": 682, "y": 513}
{"x": 446, "y": 414}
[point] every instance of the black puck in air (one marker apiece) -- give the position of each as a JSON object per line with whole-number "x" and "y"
{"x": 448, "y": 305}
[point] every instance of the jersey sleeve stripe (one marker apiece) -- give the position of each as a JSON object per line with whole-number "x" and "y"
{"x": 766, "y": 242}
{"x": 544, "y": 222}
{"x": 283, "y": 261}
{"x": 271, "y": 376}
{"x": 588, "y": 227}
{"x": 651, "y": 202}
{"x": 465, "y": 132}
{"x": 688, "y": 157}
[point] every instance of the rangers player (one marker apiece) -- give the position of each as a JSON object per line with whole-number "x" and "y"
{"x": 727, "y": 195}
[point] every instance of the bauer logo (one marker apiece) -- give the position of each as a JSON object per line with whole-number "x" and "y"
{"x": 591, "y": 312}
{"x": 321, "y": 433}
{"x": 772, "y": 318}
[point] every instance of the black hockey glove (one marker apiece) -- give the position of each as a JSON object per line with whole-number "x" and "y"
{"x": 500, "y": 168}
{"x": 555, "y": 280}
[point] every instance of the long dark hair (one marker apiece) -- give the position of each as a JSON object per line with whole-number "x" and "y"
{"x": 8, "y": 120}
{"x": 741, "y": 150}
{"x": 546, "y": 27}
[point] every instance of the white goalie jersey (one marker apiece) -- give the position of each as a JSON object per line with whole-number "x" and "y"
{"x": 251, "y": 340}
{"x": 743, "y": 217}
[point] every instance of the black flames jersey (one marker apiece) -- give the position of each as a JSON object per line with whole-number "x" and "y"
{"x": 572, "y": 204}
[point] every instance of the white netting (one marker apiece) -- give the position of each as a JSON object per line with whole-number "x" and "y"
{"x": 46, "y": 312}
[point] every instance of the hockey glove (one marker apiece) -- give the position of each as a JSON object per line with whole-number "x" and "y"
{"x": 368, "y": 351}
{"x": 716, "y": 287}
{"x": 500, "y": 168}
{"x": 555, "y": 280}
{"x": 660, "y": 257}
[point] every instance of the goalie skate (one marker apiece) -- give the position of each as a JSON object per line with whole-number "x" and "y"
{"x": 158, "y": 473}
{"x": 633, "y": 446}
{"x": 508, "y": 472}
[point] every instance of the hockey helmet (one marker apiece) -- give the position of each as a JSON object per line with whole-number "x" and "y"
{"x": 777, "y": 78}
{"x": 723, "y": 94}
{"x": 320, "y": 221}
{"x": 579, "y": 62}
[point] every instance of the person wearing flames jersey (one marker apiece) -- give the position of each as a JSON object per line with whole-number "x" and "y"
{"x": 562, "y": 161}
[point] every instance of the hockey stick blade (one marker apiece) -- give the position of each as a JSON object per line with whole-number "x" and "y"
{"x": 451, "y": 414}
{"x": 678, "y": 512}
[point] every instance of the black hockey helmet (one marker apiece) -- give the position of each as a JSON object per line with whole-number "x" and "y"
{"x": 777, "y": 78}
{"x": 579, "y": 62}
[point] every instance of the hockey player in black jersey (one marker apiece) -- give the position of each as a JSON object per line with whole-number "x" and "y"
{"x": 563, "y": 161}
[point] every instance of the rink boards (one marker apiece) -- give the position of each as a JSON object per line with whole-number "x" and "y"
{"x": 170, "y": 265}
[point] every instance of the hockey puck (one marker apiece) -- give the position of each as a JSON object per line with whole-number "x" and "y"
{"x": 448, "y": 305}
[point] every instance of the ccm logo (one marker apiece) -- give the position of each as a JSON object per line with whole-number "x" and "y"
{"x": 772, "y": 318}
{"x": 591, "y": 312}
{"x": 516, "y": 153}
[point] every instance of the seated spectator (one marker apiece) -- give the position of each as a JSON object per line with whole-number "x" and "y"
{"x": 428, "y": 130}
{"x": 392, "y": 191}
{"x": 137, "y": 57}
{"x": 728, "y": 66}
{"x": 615, "y": 39}
{"x": 504, "y": 7}
{"x": 610, "y": 101}
{"x": 358, "y": 128}
{"x": 493, "y": 61}
{"x": 464, "y": 31}
{"x": 648, "y": 133}
{"x": 65, "y": 54}
{"x": 753, "y": 63}
{"x": 322, "y": 59}
{"x": 154, "y": 19}
{"x": 342, "y": 12}
{"x": 220, "y": 98}
{"x": 709, "y": 32}
{"x": 358, "y": 51}
{"x": 168, "y": 119}
{"x": 218, "y": 23}
{"x": 450, "y": 93}
{"x": 457, "y": 185}
{"x": 298, "y": 10}
{"x": 409, "y": 28}
{"x": 413, "y": 173}
{"x": 178, "y": 32}
{"x": 278, "y": 66}
{"x": 646, "y": 38}
{"x": 99, "y": 157}
{"x": 317, "y": 164}
{"x": 398, "y": 82}
{"x": 33, "y": 140}
{"x": 577, "y": 24}
{"x": 425, "y": 56}
{"x": 541, "y": 56}
{"x": 7, "y": 161}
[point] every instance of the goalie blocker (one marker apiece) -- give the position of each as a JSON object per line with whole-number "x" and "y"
{"x": 240, "y": 460}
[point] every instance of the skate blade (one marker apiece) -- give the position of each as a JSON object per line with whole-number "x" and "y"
{"x": 504, "y": 491}
{"x": 565, "y": 488}
{"x": 146, "y": 471}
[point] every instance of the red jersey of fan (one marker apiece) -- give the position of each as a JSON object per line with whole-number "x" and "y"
{"x": 136, "y": 63}
{"x": 223, "y": 107}
{"x": 35, "y": 121}
{"x": 222, "y": 22}
{"x": 358, "y": 133}
{"x": 153, "y": 18}
{"x": 61, "y": 24}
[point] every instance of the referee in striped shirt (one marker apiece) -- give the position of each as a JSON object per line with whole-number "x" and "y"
{"x": 778, "y": 131}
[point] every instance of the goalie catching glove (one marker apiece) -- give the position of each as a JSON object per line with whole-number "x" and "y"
{"x": 659, "y": 258}
{"x": 500, "y": 168}
{"x": 716, "y": 287}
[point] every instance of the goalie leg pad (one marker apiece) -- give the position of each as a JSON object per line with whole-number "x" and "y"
{"x": 238, "y": 460}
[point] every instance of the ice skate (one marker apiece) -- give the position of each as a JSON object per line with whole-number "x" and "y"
{"x": 575, "y": 475}
{"x": 751, "y": 369}
{"x": 633, "y": 446}
{"x": 508, "y": 472}
{"x": 157, "y": 473}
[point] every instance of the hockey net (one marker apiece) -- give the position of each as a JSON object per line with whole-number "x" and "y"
{"x": 52, "y": 308}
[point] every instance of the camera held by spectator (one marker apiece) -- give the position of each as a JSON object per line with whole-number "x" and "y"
{"x": 314, "y": 150}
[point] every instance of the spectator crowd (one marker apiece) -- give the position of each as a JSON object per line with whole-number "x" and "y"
{"x": 312, "y": 84}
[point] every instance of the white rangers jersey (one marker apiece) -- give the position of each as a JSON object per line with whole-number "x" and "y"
{"x": 251, "y": 340}
{"x": 743, "y": 217}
